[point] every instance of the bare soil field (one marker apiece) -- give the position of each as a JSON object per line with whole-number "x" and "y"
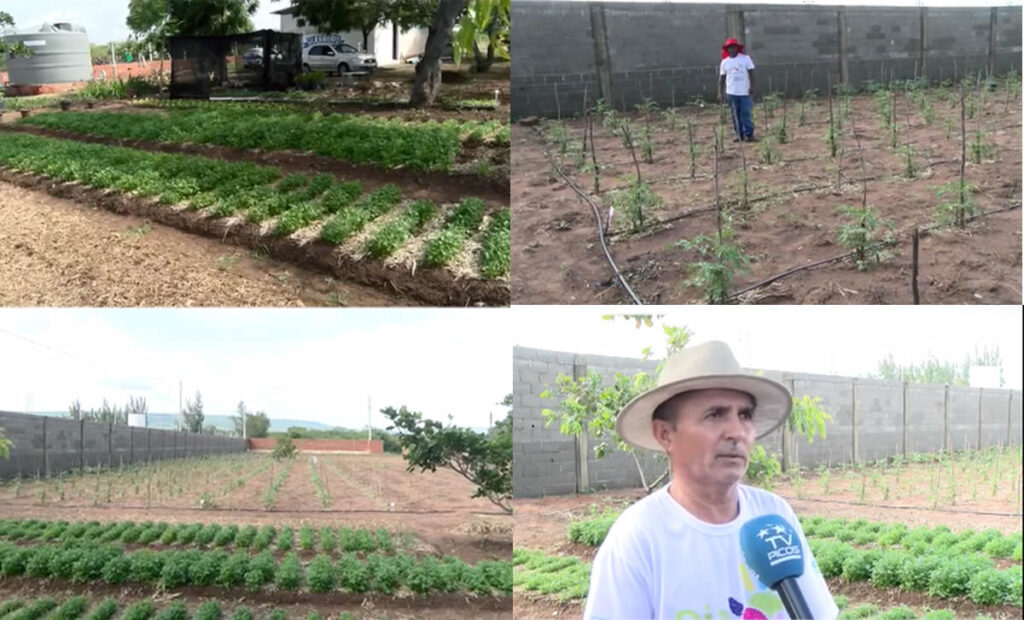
{"x": 55, "y": 253}
{"x": 791, "y": 218}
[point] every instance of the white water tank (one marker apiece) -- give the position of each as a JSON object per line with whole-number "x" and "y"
{"x": 60, "y": 54}
{"x": 137, "y": 419}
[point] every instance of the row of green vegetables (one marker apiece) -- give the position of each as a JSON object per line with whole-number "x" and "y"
{"x": 325, "y": 539}
{"x": 365, "y": 140}
{"x": 260, "y": 193}
{"x": 918, "y": 540}
{"x": 496, "y": 132}
{"x": 385, "y": 574}
{"x": 74, "y": 608}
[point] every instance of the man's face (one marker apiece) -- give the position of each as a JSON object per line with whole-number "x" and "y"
{"x": 732, "y": 50}
{"x": 714, "y": 431}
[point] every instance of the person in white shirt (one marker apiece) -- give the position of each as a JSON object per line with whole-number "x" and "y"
{"x": 736, "y": 87}
{"x": 676, "y": 553}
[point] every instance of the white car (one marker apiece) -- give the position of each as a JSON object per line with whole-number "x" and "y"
{"x": 341, "y": 58}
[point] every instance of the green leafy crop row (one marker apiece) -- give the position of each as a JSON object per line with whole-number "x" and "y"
{"x": 229, "y": 188}
{"x": 78, "y": 607}
{"x": 567, "y": 577}
{"x": 592, "y": 530}
{"x": 91, "y": 563}
{"x": 939, "y": 574}
{"x": 390, "y": 144}
{"x": 918, "y": 540}
{"x": 197, "y": 535}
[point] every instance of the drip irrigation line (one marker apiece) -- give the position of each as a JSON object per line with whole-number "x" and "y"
{"x": 600, "y": 225}
{"x": 886, "y": 506}
{"x": 923, "y": 231}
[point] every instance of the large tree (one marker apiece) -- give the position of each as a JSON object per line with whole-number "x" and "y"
{"x": 427, "y": 84}
{"x": 256, "y": 424}
{"x": 156, "y": 20}
{"x": 484, "y": 460}
{"x": 363, "y": 15}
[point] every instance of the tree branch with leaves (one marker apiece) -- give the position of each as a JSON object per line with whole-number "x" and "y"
{"x": 483, "y": 459}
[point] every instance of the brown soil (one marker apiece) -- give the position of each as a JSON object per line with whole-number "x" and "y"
{"x": 791, "y": 222}
{"x": 431, "y": 286}
{"x": 446, "y": 519}
{"x": 296, "y": 605}
{"x": 55, "y": 253}
{"x": 436, "y": 186}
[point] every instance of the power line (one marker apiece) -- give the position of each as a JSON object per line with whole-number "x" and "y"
{"x": 40, "y": 344}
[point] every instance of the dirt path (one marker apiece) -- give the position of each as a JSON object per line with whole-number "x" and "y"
{"x": 56, "y": 252}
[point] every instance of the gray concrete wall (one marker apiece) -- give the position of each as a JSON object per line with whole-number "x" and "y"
{"x": 670, "y": 52}
{"x": 48, "y": 446}
{"x": 867, "y": 415}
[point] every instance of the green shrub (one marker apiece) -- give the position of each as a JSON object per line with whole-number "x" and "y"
{"x": 233, "y": 570}
{"x": 1001, "y": 547}
{"x": 117, "y": 570}
{"x": 261, "y": 571}
{"x": 39, "y": 564}
{"x": 496, "y": 248}
{"x": 306, "y": 538}
{"x": 245, "y": 536}
{"x": 420, "y": 212}
{"x": 384, "y": 573}
{"x": 210, "y": 610}
{"x": 898, "y": 613}
{"x": 1017, "y": 551}
{"x": 289, "y": 573}
{"x": 206, "y": 568}
{"x": 991, "y": 587}
{"x": 14, "y": 561}
{"x": 320, "y": 574}
{"x": 242, "y": 613}
{"x": 328, "y": 540}
{"x": 264, "y": 538}
{"x": 468, "y": 214}
{"x": 831, "y": 555}
{"x": 69, "y": 609}
{"x": 887, "y": 569}
{"x": 10, "y": 605}
{"x": 858, "y": 564}
{"x": 341, "y": 196}
{"x": 285, "y": 539}
{"x": 90, "y": 566}
{"x": 842, "y": 601}
{"x": 343, "y": 225}
{"x": 917, "y": 571}
{"x": 278, "y": 614}
{"x": 207, "y": 534}
{"x": 35, "y": 609}
{"x": 939, "y": 614}
{"x": 952, "y": 576}
{"x": 176, "y": 568}
{"x": 592, "y": 531}
{"x": 174, "y": 611}
{"x": 104, "y": 611}
{"x": 445, "y": 246}
{"x": 225, "y": 536}
{"x": 353, "y": 575}
{"x": 142, "y": 610}
{"x": 389, "y": 238}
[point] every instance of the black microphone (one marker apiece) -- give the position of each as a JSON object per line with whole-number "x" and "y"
{"x": 772, "y": 549}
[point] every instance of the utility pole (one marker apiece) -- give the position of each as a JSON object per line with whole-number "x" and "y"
{"x": 369, "y": 422}
{"x": 113, "y": 59}
{"x": 180, "y": 410}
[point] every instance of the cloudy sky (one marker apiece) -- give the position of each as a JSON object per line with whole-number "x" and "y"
{"x": 836, "y": 340}
{"x": 319, "y": 365}
{"x": 105, "y": 19}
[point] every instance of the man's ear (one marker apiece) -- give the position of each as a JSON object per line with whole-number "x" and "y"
{"x": 663, "y": 433}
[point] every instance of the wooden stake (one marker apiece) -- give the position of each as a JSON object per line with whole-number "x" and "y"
{"x": 718, "y": 203}
{"x": 558, "y": 104}
{"x": 593, "y": 158}
{"x": 960, "y": 217}
{"x": 913, "y": 280}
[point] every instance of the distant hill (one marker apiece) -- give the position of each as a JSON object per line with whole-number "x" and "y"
{"x": 222, "y": 422}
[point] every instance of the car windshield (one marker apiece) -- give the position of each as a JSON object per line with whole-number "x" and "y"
{"x": 348, "y": 49}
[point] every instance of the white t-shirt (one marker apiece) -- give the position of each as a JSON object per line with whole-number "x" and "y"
{"x": 660, "y": 561}
{"x": 737, "y": 82}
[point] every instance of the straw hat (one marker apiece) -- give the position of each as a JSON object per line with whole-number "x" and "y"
{"x": 703, "y": 367}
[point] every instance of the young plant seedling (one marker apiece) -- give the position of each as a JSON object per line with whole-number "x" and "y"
{"x": 720, "y": 261}
{"x": 860, "y": 234}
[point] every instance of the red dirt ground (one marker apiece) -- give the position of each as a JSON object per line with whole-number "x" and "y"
{"x": 557, "y": 258}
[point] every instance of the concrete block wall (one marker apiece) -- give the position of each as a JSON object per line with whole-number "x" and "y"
{"x": 873, "y": 411}
{"x": 48, "y": 446}
{"x": 670, "y": 52}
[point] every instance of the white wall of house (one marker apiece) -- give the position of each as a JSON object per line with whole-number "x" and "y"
{"x": 380, "y": 43}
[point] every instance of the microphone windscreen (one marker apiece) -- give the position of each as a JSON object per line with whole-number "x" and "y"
{"x": 772, "y": 549}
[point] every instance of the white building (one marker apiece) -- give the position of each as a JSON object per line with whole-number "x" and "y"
{"x": 387, "y": 42}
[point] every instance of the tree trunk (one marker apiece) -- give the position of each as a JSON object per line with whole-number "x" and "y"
{"x": 427, "y": 84}
{"x": 366, "y": 41}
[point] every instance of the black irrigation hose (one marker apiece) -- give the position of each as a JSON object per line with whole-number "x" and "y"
{"x": 966, "y": 512}
{"x": 600, "y": 224}
{"x": 826, "y": 261}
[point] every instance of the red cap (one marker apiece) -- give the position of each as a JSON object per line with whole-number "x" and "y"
{"x": 729, "y": 42}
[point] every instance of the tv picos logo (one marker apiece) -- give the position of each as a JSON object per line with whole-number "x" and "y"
{"x": 781, "y": 539}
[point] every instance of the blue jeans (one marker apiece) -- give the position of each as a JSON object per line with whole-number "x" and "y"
{"x": 741, "y": 109}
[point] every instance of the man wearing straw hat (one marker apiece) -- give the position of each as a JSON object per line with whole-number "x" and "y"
{"x": 736, "y": 87}
{"x": 676, "y": 553}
